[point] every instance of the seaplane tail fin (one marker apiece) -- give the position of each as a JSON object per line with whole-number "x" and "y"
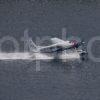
{"x": 32, "y": 46}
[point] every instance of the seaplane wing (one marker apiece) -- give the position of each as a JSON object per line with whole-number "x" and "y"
{"x": 51, "y": 48}
{"x": 57, "y": 40}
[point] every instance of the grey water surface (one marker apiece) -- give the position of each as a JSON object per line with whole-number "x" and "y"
{"x": 56, "y": 80}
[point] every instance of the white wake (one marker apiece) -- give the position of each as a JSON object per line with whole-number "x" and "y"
{"x": 37, "y": 56}
{"x": 23, "y": 56}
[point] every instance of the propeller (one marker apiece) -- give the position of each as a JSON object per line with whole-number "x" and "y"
{"x": 81, "y": 47}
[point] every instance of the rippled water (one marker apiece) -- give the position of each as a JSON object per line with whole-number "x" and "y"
{"x": 56, "y": 80}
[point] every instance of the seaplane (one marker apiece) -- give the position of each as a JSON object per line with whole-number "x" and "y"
{"x": 60, "y": 49}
